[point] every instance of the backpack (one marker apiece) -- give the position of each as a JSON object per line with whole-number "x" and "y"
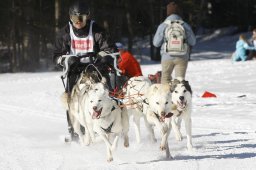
{"x": 175, "y": 38}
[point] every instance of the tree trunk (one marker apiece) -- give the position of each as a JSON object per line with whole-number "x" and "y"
{"x": 129, "y": 24}
{"x": 154, "y": 51}
{"x": 57, "y": 15}
{"x": 13, "y": 61}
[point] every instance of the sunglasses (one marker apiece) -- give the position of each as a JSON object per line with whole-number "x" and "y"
{"x": 78, "y": 18}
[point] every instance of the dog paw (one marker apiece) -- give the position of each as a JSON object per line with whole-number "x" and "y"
{"x": 191, "y": 148}
{"x": 110, "y": 159}
{"x": 126, "y": 144}
{"x": 178, "y": 137}
{"x": 162, "y": 147}
{"x": 138, "y": 141}
{"x": 86, "y": 141}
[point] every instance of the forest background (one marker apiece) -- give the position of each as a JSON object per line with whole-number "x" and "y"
{"x": 28, "y": 27}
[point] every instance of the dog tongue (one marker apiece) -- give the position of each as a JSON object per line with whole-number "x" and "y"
{"x": 95, "y": 115}
{"x": 182, "y": 104}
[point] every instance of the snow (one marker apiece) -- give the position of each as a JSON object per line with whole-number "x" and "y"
{"x": 33, "y": 123}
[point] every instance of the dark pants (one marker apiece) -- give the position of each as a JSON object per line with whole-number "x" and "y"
{"x": 251, "y": 55}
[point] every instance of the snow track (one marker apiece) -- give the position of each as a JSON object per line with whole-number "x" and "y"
{"x": 32, "y": 122}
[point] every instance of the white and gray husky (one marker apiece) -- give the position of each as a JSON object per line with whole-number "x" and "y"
{"x": 181, "y": 107}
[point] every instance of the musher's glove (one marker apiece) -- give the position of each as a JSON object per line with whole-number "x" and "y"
{"x": 105, "y": 58}
{"x": 60, "y": 61}
{"x": 68, "y": 61}
{"x": 73, "y": 60}
{"x": 103, "y": 53}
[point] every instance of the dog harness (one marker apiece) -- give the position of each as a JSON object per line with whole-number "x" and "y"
{"x": 108, "y": 130}
{"x": 161, "y": 118}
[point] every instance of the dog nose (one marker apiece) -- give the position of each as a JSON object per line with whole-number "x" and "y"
{"x": 181, "y": 98}
{"x": 94, "y": 108}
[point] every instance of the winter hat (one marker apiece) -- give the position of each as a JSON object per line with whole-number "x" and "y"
{"x": 166, "y": 2}
{"x": 119, "y": 45}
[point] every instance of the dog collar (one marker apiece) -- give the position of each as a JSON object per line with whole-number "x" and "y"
{"x": 166, "y": 116}
{"x": 144, "y": 101}
{"x": 113, "y": 108}
{"x": 169, "y": 115}
{"x": 108, "y": 130}
{"x": 157, "y": 116}
{"x": 180, "y": 111}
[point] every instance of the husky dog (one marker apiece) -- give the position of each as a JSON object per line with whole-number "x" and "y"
{"x": 134, "y": 98}
{"x": 181, "y": 107}
{"x": 105, "y": 117}
{"x": 75, "y": 104}
{"x": 157, "y": 112}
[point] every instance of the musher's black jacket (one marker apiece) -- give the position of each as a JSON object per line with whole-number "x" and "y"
{"x": 102, "y": 41}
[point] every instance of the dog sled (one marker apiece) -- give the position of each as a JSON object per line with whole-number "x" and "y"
{"x": 91, "y": 66}
{"x": 117, "y": 84}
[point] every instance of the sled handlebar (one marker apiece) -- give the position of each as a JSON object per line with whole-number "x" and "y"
{"x": 88, "y": 59}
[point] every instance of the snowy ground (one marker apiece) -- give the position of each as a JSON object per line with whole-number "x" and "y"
{"x": 33, "y": 123}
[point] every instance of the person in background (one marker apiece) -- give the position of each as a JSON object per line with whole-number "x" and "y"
{"x": 241, "y": 47}
{"x": 252, "y": 42}
{"x": 172, "y": 62}
{"x": 127, "y": 63}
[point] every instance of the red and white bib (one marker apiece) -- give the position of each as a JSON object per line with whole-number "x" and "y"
{"x": 81, "y": 46}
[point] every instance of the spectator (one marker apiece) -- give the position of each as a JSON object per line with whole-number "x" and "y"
{"x": 241, "y": 47}
{"x": 175, "y": 48}
{"x": 252, "y": 41}
{"x": 127, "y": 63}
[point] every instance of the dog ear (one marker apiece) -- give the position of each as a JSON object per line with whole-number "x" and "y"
{"x": 172, "y": 87}
{"x": 90, "y": 87}
{"x": 188, "y": 87}
{"x": 174, "y": 84}
{"x": 180, "y": 79}
{"x": 104, "y": 80}
{"x": 155, "y": 89}
{"x": 184, "y": 82}
{"x": 175, "y": 81}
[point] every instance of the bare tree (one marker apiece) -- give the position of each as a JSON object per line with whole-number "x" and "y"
{"x": 57, "y": 15}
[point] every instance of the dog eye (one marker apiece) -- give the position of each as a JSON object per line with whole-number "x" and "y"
{"x": 176, "y": 91}
{"x": 91, "y": 101}
{"x": 157, "y": 102}
{"x": 99, "y": 100}
{"x": 184, "y": 91}
{"x": 166, "y": 102}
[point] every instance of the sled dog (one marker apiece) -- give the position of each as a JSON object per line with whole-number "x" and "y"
{"x": 158, "y": 113}
{"x": 74, "y": 104}
{"x": 181, "y": 107}
{"x": 105, "y": 117}
{"x": 134, "y": 97}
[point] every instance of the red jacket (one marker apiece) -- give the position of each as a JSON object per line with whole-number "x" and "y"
{"x": 129, "y": 65}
